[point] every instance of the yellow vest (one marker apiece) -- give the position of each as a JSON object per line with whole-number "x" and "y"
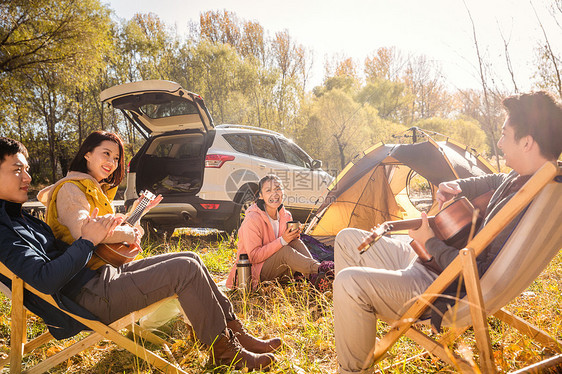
{"x": 96, "y": 198}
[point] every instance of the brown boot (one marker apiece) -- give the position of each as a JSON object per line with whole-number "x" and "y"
{"x": 250, "y": 342}
{"x": 226, "y": 350}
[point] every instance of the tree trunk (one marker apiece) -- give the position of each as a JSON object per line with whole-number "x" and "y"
{"x": 341, "y": 148}
{"x": 485, "y": 89}
{"x": 495, "y": 149}
{"x": 51, "y": 140}
{"x": 79, "y": 117}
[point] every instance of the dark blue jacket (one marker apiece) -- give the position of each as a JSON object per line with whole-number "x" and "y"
{"x": 29, "y": 249}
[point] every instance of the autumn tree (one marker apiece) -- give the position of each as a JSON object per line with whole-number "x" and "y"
{"x": 549, "y": 72}
{"x": 212, "y": 70}
{"x": 220, "y": 27}
{"x": 389, "y": 98}
{"x": 340, "y": 126}
{"x": 386, "y": 63}
{"x": 40, "y": 33}
{"x": 290, "y": 59}
{"x": 82, "y": 38}
{"x": 489, "y": 93}
{"x": 252, "y": 42}
{"x": 424, "y": 82}
{"x": 340, "y": 73}
{"x": 464, "y": 130}
{"x": 472, "y": 104}
{"x": 146, "y": 49}
{"x": 385, "y": 89}
{"x": 404, "y": 89}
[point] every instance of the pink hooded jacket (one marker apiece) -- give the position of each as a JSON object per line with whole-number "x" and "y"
{"x": 256, "y": 238}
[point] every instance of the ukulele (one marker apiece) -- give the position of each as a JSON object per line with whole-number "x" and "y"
{"x": 452, "y": 224}
{"x": 117, "y": 254}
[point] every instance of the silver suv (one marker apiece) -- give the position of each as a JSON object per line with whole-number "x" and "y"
{"x": 207, "y": 174}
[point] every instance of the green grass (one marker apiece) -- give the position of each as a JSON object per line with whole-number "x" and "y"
{"x": 303, "y": 319}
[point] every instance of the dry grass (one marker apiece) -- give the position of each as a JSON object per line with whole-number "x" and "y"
{"x": 303, "y": 319}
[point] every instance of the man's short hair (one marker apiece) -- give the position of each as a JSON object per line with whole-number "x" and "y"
{"x": 539, "y": 115}
{"x": 10, "y": 147}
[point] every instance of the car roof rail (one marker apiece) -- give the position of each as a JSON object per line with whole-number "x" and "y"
{"x": 254, "y": 128}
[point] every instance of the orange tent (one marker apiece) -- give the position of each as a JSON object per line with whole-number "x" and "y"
{"x": 378, "y": 185}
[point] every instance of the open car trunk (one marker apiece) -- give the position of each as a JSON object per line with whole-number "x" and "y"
{"x": 178, "y": 129}
{"x": 172, "y": 164}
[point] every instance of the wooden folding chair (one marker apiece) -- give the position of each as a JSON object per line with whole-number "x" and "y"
{"x": 532, "y": 245}
{"x": 19, "y": 346}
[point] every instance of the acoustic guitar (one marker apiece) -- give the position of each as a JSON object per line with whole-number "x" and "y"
{"x": 452, "y": 224}
{"x": 117, "y": 254}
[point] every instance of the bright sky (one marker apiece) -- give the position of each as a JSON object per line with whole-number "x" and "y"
{"x": 438, "y": 29}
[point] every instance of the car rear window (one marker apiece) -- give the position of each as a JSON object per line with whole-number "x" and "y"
{"x": 239, "y": 142}
{"x": 177, "y": 147}
{"x": 163, "y": 150}
{"x": 264, "y": 146}
{"x": 190, "y": 150}
{"x": 169, "y": 108}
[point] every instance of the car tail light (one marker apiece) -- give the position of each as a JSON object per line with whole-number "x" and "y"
{"x": 216, "y": 161}
{"x": 210, "y": 206}
{"x": 128, "y": 167}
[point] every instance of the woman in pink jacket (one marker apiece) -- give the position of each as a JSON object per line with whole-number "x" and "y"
{"x": 273, "y": 250}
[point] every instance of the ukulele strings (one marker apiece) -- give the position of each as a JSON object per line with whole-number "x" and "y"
{"x": 135, "y": 215}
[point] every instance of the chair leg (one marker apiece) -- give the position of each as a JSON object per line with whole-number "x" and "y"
{"x": 91, "y": 339}
{"x": 540, "y": 367}
{"x": 132, "y": 347}
{"x": 441, "y": 351}
{"x": 88, "y": 341}
{"x": 18, "y": 326}
{"x": 531, "y": 331}
{"x": 143, "y": 333}
{"x": 477, "y": 311}
{"x": 110, "y": 333}
{"x": 65, "y": 354}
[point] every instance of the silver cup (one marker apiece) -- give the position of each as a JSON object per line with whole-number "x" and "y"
{"x": 293, "y": 225}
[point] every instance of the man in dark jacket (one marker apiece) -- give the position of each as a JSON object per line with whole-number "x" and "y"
{"x": 35, "y": 248}
{"x": 29, "y": 249}
{"x": 385, "y": 280}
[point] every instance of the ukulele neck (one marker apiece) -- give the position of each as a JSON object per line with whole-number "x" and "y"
{"x": 136, "y": 214}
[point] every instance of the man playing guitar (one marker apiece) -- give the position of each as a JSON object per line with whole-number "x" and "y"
{"x": 384, "y": 278}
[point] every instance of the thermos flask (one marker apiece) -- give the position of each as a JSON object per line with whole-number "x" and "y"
{"x": 243, "y": 272}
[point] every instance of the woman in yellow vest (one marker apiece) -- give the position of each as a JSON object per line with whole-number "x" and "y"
{"x": 92, "y": 181}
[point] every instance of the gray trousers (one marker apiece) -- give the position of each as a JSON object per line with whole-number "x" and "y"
{"x": 380, "y": 283}
{"x": 290, "y": 258}
{"x": 116, "y": 292}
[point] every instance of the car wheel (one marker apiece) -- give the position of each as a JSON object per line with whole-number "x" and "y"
{"x": 244, "y": 199}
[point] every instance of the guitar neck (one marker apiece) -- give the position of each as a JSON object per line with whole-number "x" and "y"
{"x": 390, "y": 226}
{"x": 408, "y": 224}
{"x": 447, "y": 224}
